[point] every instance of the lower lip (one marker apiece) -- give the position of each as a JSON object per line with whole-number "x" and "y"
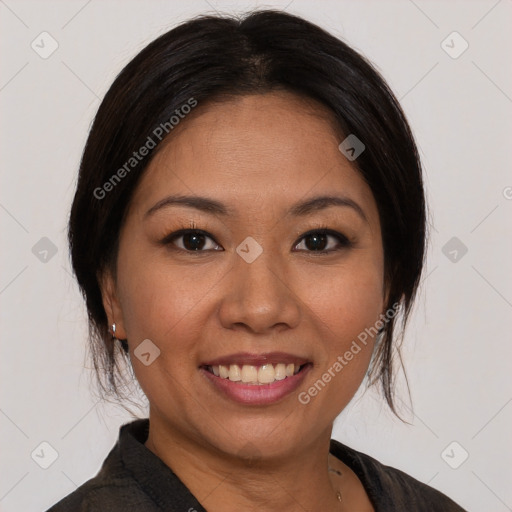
{"x": 255, "y": 394}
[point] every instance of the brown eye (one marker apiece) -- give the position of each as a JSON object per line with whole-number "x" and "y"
{"x": 191, "y": 240}
{"x": 321, "y": 241}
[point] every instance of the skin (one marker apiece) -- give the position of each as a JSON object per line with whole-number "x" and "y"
{"x": 259, "y": 155}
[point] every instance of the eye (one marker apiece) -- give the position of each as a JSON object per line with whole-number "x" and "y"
{"x": 318, "y": 241}
{"x": 192, "y": 240}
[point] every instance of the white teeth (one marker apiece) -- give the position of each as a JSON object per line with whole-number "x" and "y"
{"x": 280, "y": 371}
{"x": 256, "y": 375}
{"x": 234, "y": 373}
{"x": 266, "y": 374}
{"x": 249, "y": 373}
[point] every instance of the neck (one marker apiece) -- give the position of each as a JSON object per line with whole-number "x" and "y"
{"x": 251, "y": 481}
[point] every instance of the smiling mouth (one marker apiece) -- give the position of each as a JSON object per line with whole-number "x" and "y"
{"x": 256, "y": 375}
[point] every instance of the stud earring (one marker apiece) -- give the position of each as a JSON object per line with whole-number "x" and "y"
{"x": 124, "y": 343}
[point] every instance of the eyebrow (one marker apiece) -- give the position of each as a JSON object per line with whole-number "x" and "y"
{"x": 214, "y": 207}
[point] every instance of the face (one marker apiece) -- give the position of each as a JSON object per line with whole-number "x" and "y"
{"x": 253, "y": 287}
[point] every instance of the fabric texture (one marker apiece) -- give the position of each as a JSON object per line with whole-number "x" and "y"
{"x": 132, "y": 478}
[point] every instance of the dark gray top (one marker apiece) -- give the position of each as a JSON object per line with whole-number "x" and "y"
{"x": 133, "y": 478}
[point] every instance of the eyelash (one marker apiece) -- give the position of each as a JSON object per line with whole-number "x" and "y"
{"x": 344, "y": 242}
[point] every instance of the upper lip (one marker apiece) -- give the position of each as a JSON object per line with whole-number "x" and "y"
{"x": 248, "y": 358}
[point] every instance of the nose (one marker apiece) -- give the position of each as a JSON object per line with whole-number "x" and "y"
{"x": 257, "y": 297}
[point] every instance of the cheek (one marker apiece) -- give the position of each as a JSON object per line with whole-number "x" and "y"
{"x": 167, "y": 306}
{"x": 345, "y": 310}
{"x": 163, "y": 301}
{"x": 348, "y": 299}
{"x": 343, "y": 361}
{"x": 156, "y": 305}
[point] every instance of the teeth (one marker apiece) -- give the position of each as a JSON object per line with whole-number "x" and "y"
{"x": 250, "y": 374}
{"x": 280, "y": 371}
{"x": 266, "y": 374}
{"x": 234, "y": 373}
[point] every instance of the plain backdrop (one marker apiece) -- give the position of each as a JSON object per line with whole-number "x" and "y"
{"x": 458, "y": 346}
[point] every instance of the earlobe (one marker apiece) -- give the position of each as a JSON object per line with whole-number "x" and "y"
{"x": 111, "y": 304}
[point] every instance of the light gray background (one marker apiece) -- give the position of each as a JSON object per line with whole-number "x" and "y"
{"x": 458, "y": 348}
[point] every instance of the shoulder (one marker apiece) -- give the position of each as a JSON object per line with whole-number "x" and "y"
{"x": 131, "y": 478}
{"x": 113, "y": 489}
{"x": 94, "y": 496}
{"x": 391, "y": 489}
{"x": 106, "y": 494}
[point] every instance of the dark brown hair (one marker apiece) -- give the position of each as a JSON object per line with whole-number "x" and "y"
{"x": 213, "y": 57}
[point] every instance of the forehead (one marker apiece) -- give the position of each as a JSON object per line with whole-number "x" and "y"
{"x": 257, "y": 150}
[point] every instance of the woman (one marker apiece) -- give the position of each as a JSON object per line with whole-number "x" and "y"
{"x": 249, "y": 221}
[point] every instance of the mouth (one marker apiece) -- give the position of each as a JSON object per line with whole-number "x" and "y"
{"x": 256, "y": 379}
{"x": 255, "y": 375}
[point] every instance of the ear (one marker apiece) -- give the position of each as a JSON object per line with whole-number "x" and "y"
{"x": 111, "y": 303}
